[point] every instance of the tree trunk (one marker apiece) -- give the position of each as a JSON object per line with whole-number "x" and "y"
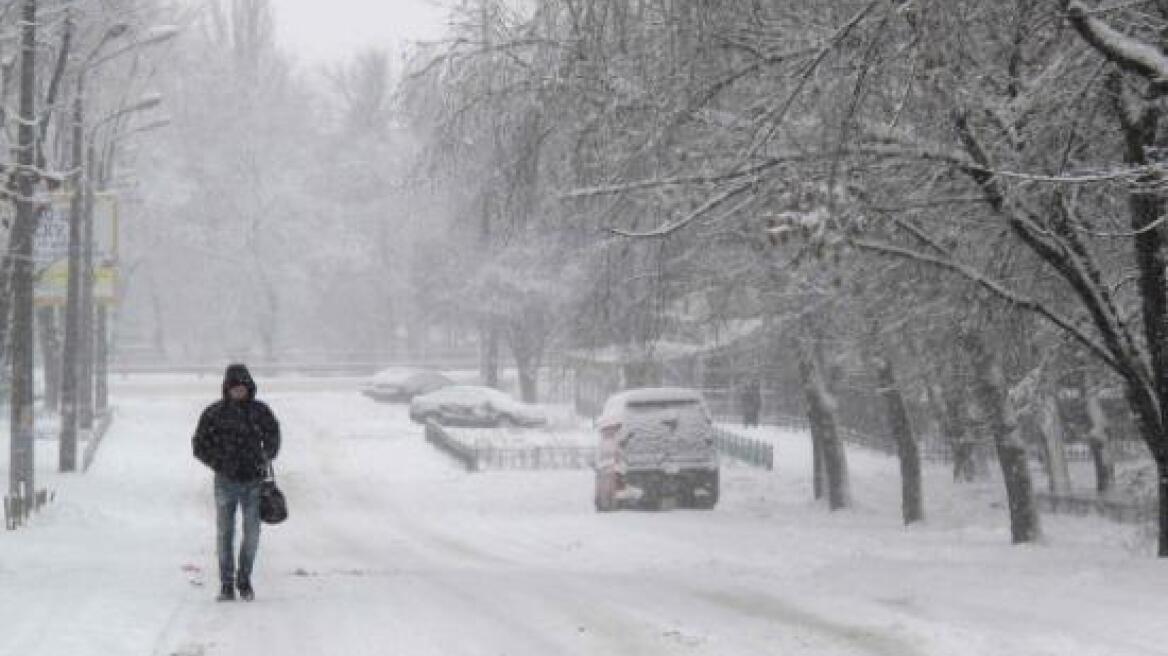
{"x": 821, "y": 415}
{"x": 527, "y": 366}
{"x": 5, "y": 312}
{"x": 911, "y": 499}
{"x": 1099, "y": 437}
{"x": 991, "y": 391}
{"x": 50, "y": 357}
{"x": 1162, "y": 470}
{"x": 158, "y": 335}
{"x": 1050, "y": 428}
{"x": 101, "y": 382}
{"x": 967, "y": 465}
{"x": 489, "y": 352}
{"x": 527, "y": 336}
{"x": 21, "y": 481}
{"x": 819, "y": 471}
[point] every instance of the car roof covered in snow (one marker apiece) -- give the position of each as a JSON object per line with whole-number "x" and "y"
{"x": 655, "y": 395}
{"x": 427, "y": 376}
{"x": 649, "y": 397}
{"x": 396, "y": 374}
{"x": 469, "y": 393}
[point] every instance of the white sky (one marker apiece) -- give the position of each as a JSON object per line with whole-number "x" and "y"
{"x": 315, "y": 31}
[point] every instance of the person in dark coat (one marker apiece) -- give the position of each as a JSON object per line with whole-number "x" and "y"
{"x": 237, "y": 437}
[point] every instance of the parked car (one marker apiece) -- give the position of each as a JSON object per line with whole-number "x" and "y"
{"x": 471, "y": 405}
{"x": 656, "y": 444}
{"x": 399, "y": 385}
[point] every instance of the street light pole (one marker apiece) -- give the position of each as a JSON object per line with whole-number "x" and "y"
{"x": 85, "y": 388}
{"x": 78, "y": 367}
{"x": 67, "y": 453}
{"x": 103, "y": 175}
{"x": 89, "y": 348}
{"x": 73, "y": 391}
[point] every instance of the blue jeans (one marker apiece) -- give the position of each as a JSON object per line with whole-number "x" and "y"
{"x": 229, "y": 495}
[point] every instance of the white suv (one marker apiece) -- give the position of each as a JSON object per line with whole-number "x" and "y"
{"x": 656, "y": 444}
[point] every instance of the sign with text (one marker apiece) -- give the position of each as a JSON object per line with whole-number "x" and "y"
{"x": 51, "y": 240}
{"x": 51, "y": 248}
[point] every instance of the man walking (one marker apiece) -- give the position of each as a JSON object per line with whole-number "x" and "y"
{"x": 237, "y": 436}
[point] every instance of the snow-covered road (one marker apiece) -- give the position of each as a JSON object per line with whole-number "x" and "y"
{"x": 391, "y": 549}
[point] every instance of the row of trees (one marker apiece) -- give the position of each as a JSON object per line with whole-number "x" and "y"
{"x": 284, "y": 215}
{"x": 276, "y": 212}
{"x": 58, "y": 55}
{"x": 961, "y": 199}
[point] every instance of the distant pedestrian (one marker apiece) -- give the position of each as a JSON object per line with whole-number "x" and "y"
{"x": 237, "y": 437}
{"x": 751, "y": 403}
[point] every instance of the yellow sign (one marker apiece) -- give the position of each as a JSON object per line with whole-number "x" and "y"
{"x": 52, "y": 284}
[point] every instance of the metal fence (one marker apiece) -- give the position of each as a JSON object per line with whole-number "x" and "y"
{"x": 441, "y": 439}
{"x": 484, "y": 455}
{"x": 99, "y": 430}
{"x": 488, "y": 456}
{"x": 933, "y": 450}
{"x": 17, "y": 509}
{"x": 1125, "y": 510}
{"x": 752, "y": 452}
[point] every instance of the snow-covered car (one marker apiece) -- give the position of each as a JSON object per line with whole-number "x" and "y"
{"x": 656, "y": 444}
{"x": 471, "y": 405}
{"x": 400, "y": 384}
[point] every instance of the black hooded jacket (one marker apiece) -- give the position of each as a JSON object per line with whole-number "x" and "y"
{"x": 237, "y": 438}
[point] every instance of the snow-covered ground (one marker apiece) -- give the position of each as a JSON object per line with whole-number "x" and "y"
{"x": 393, "y": 549}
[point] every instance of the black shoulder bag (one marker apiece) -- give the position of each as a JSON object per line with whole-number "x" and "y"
{"x": 273, "y": 505}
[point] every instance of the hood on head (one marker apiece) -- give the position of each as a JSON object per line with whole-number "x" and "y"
{"x": 235, "y": 375}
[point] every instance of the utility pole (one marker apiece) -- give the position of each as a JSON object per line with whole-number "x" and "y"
{"x": 67, "y": 452}
{"x": 21, "y": 481}
{"x": 85, "y": 349}
{"x": 85, "y": 369}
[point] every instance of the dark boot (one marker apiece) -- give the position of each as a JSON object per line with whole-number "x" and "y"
{"x": 245, "y": 591}
{"x": 226, "y": 593}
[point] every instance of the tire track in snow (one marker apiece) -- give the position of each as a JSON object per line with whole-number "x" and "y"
{"x": 816, "y": 629}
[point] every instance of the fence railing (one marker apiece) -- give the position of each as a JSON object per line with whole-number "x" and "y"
{"x": 1126, "y": 511}
{"x": 440, "y": 438}
{"x": 18, "y": 508}
{"x": 481, "y": 456}
{"x": 489, "y": 456}
{"x": 1122, "y": 450}
{"x": 752, "y": 452}
{"x": 99, "y": 430}
{"x": 484, "y": 455}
